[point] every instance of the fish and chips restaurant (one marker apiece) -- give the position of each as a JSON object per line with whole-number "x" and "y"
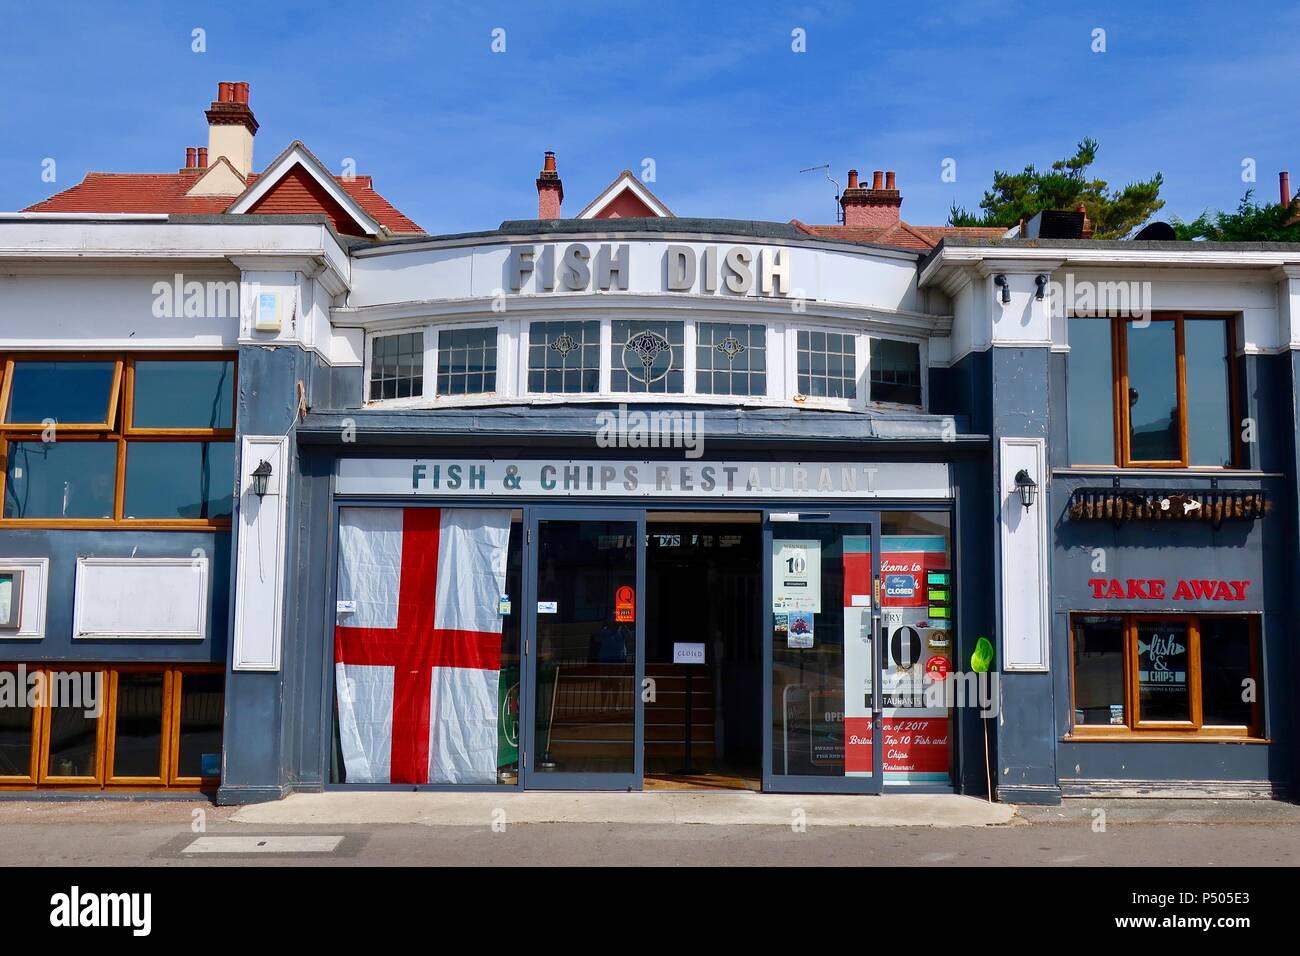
{"x": 649, "y": 504}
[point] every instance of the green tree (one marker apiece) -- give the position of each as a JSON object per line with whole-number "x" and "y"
{"x": 1250, "y": 223}
{"x": 1066, "y": 185}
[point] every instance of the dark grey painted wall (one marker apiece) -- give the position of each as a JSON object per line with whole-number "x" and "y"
{"x": 1262, "y": 551}
{"x": 63, "y": 549}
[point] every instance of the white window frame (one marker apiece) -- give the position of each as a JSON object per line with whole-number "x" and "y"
{"x": 861, "y": 355}
{"x": 782, "y": 362}
{"x": 923, "y": 357}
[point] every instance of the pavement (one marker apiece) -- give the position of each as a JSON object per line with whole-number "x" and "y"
{"x": 662, "y": 808}
{"x": 396, "y": 829}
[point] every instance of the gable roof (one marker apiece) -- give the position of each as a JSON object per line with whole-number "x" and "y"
{"x": 357, "y": 206}
{"x": 900, "y": 234}
{"x": 631, "y": 194}
{"x": 294, "y": 182}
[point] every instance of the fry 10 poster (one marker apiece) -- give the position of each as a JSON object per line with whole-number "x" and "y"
{"x": 915, "y": 608}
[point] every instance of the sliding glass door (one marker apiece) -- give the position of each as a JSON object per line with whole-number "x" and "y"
{"x": 821, "y": 652}
{"x": 585, "y": 650}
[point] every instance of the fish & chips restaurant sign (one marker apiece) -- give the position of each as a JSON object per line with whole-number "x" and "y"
{"x": 672, "y": 479}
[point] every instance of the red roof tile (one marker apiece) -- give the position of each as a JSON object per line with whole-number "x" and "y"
{"x": 901, "y": 235}
{"x": 165, "y": 193}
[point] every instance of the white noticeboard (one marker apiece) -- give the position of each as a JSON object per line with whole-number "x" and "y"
{"x": 688, "y": 653}
{"x": 797, "y": 576}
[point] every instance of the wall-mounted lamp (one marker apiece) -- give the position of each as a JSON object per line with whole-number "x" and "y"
{"x": 261, "y": 478}
{"x": 1000, "y": 281}
{"x": 1026, "y": 487}
{"x": 1040, "y": 280}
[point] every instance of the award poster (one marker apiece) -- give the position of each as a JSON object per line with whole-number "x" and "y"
{"x": 797, "y": 576}
{"x": 916, "y": 739}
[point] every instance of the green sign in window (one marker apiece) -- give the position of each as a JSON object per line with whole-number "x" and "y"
{"x": 937, "y": 577}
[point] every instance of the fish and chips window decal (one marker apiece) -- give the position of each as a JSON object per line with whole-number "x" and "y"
{"x": 915, "y": 588}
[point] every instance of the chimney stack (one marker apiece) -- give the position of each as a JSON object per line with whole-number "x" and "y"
{"x": 872, "y": 208}
{"x": 231, "y": 127}
{"x": 1284, "y": 187}
{"x": 550, "y": 190}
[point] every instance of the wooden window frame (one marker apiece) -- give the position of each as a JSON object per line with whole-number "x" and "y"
{"x": 104, "y": 778}
{"x": 92, "y": 428}
{"x": 1120, "y": 389}
{"x": 160, "y": 779}
{"x": 96, "y": 780}
{"x": 1134, "y": 727}
{"x": 174, "y": 752}
{"x": 121, "y": 430}
{"x": 34, "y": 745}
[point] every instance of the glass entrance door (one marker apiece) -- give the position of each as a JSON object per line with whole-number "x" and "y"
{"x": 822, "y": 710}
{"x": 585, "y": 653}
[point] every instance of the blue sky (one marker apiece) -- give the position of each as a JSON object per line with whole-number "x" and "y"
{"x": 711, "y": 91}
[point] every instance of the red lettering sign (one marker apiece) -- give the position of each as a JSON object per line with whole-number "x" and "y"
{"x": 1148, "y": 589}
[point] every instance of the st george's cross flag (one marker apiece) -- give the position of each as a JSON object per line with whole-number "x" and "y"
{"x": 417, "y": 646}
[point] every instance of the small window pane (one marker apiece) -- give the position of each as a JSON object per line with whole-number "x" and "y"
{"x": 191, "y": 479}
{"x": 467, "y": 361}
{"x": 1209, "y": 408}
{"x": 75, "y": 697}
{"x": 647, "y": 357}
{"x": 70, "y": 393}
{"x": 1226, "y": 672}
{"x": 16, "y": 737}
{"x": 564, "y": 357}
{"x": 1099, "y": 671}
{"x": 61, "y": 479}
{"x": 397, "y": 366}
{"x": 730, "y": 359}
{"x": 1164, "y": 687}
{"x": 1153, "y": 392}
{"x": 1090, "y": 393}
{"x": 827, "y": 365}
{"x": 184, "y": 394}
{"x": 895, "y": 372}
{"x": 138, "y": 727}
{"x": 202, "y": 709}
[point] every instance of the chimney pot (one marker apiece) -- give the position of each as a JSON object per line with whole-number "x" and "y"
{"x": 877, "y": 179}
{"x": 853, "y": 179}
{"x": 890, "y": 181}
{"x": 203, "y": 157}
{"x": 241, "y": 93}
{"x": 191, "y": 157}
{"x": 550, "y": 190}
{"x": 223, "y": 93}
{"x": 1284, "y": 187}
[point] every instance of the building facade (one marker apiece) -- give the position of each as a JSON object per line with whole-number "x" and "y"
{"x": 297, "y": 497}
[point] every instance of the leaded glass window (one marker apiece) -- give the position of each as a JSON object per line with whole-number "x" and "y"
{"x": 827, "y": 364}
{"x": 647, "y": 357}
{"x": 895, "y": 372}
{"x": 397, "y": 366}
{"x": 467, "y": 361}
{"x": 730, "y": 359}
{"x": 564, "y": 357}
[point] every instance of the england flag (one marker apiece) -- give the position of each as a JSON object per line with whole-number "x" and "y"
{"x": 417, "y": 646}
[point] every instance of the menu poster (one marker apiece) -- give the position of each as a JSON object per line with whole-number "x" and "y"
{"x": 797, "y": 576}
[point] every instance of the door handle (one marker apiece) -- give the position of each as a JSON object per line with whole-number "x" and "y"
{"x": 877, "y": 664}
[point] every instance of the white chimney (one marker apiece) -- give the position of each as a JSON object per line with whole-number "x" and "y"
{"x": 231, "y": 128}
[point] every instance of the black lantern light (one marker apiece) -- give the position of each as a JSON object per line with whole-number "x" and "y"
{"x": 1026, "y": 487}
{"x": 261, "y": 478}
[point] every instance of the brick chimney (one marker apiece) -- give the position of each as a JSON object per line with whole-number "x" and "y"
{"x": 1284, "y": 187}
{"x": 231, "y": 127}
{"x": 876, "y": 207}
{"x": 550, "y": 191}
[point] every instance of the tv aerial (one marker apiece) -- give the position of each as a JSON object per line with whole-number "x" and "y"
{"x": 839, "y": 212}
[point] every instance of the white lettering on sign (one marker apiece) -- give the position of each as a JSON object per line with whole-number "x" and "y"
{"x": 541, "y": 478}
{"x": 607, "y": 267}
